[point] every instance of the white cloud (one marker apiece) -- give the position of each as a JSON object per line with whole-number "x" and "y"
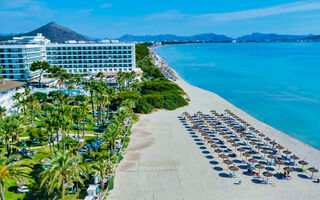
{"x": 238, "y": 15}
{"x": 262, "y": 12}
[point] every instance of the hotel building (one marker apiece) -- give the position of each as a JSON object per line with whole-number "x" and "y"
{"x": 17, "y": 55}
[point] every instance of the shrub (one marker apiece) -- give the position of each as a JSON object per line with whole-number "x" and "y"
{"x": 143, "y": 107}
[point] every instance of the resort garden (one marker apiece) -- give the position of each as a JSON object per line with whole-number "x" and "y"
{"x": 58, "y": 144}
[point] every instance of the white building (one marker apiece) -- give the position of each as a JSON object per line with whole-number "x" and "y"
{"x": 17, "y": 55}
{"x": 7, "y": 90}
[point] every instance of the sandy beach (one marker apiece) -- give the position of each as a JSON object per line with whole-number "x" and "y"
{"x": 163, "y": 161}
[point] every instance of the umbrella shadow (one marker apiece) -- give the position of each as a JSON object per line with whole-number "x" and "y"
{"x": 192, "y": 133}
{"x": 243, "y": 166}
{"x": 269, "y": 169}
{"x": 224, "y": 175}
{"x": 213, "y": 162}
{"x": 200, "y": 143}
{"x": 209, "y": 157}
{"x": 237, "y": 161}
{"x": 202, "y": 147}
{"x": 218, "y": 169}
{"x": 197, "y": 140}
{"x": 205, "y": 152}
{"x": 263, "y": 162}
{"x": 256, "y": 181}
{"x": 194, "y": 136}
{"x": 303, "y": 176}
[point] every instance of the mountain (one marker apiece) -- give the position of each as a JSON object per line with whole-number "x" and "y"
{"x": 268, "y": 37}
{"x": 312, "y": 38}
{"x": 171, "y": 37}
{"x": 54, "y": 32}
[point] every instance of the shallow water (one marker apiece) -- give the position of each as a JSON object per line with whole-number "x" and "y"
{"x": 277, "y": 83}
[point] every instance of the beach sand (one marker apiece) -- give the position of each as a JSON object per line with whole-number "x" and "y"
{"x": 163, "y": 161}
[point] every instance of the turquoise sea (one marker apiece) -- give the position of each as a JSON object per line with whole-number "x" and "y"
{"x": 277, "y": 83}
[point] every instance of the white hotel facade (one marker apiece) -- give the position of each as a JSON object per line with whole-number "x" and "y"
{"x": 17, "y": 55}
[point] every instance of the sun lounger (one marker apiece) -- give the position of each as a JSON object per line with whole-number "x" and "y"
{"x": 266, "y": 182}
{"x": 233, "y": 175}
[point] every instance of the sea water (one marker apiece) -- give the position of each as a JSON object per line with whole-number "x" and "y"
{"x": 277, "y": 83}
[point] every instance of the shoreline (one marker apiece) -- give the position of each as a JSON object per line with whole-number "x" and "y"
{"x": 277, "y": 130}
{"x": 162, "y": 161}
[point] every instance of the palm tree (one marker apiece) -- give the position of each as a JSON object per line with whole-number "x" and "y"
{"x": 103, "y": 166}
{"x": 2, "y": 111}
{"x": 100, "y": 75}
{"x": 111, "y": 134}
{"x": 78, "y": 115}
{"x": 9, "y": 172}
{"x": 34, "y": 106}
{"x": 64, "y": 170}
{"x": 17, "y": 98}
{"x": 123, "y": 114}
{"x": 10, "y": 128}
{"x": 50, "y": 124}
{"x": 90, "y": 85}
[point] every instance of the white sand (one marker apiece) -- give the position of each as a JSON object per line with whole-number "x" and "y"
{"x": 164, "y": 162}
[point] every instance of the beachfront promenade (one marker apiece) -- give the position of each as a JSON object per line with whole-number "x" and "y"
{"x": 163, "y": 160}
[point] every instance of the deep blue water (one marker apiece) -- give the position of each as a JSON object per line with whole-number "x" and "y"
{"x": 277, "y": 83}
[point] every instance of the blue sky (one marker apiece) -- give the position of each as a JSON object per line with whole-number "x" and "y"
{"x": 113, "y": 18}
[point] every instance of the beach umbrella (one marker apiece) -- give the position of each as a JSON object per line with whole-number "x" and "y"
{"x": 273, "y": 143}
{"x": 241, "y": 150}
{"x": 259, "y": 166}
{"x": 287, "y": 152}
{"x": 288, "y": 169}
{"x": 223, "y": 156}
{"x": 267, "y": 139}
{"x": 246, "y": 155}
{"x": 231, "y": 141}
{"x": 261, "y": 135}
{"x": 214, "y": 146}
{"x": 227, "y": 162}
{"x": 267, "y": 174}
{"x": 210, "y": 141}
{"x": 294, "y": 157}
{"x": 235, "y": 145}
{"x": 313, "y": 170}
{"x": 218, "y": 151}
{"x": 302, "y": 163}
{"x": 233, "y": 168}
{"x": 279, "y": 147}
{"x": 271, "y": 157}
{"x": 226, "y": 137}
{"x": 258, "y": 147}
{"x": 252, "y": 160}
{"x": 252, "y": 143}
{"x": 279, "y": 162}
{"x": 265, "y": 152}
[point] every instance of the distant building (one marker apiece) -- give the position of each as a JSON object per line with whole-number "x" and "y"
{"x": 17, "y": 55}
